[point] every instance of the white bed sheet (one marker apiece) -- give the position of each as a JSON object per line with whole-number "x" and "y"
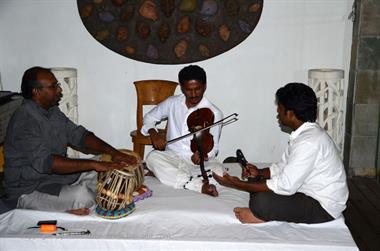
{"x": 173, "y": 220}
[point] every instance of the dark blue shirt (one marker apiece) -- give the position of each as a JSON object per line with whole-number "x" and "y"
{"x": 33, "y": 136}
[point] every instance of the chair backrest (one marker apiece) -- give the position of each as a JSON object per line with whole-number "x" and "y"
{"x": 151, "y": 92}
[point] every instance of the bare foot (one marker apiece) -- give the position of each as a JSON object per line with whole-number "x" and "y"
{"x": 209, "y": 189}
{"x": 245, "y": 215}
{"x": 80, "y": 211}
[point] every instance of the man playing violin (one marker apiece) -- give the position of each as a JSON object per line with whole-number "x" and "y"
{"x": 175, "y": 164}
{"x": 308, "y": 184}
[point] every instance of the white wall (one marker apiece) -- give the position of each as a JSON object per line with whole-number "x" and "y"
{"x": 291, "y": 37}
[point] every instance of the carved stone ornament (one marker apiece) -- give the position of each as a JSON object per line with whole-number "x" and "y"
{"x": 170, "y": 31}
{"x": 69, "y": 102}
{"x": 328, "y": 85}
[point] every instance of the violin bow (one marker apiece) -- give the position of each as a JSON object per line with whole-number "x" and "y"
{"x": 225, "y": 121}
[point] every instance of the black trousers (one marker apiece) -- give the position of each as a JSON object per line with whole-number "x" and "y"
{"x": 298, "y": 208}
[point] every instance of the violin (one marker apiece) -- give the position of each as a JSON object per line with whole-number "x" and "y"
{"x": 196, "y": 121}
{"x": 203, "y": 141}
{"x": 199, "y": 121}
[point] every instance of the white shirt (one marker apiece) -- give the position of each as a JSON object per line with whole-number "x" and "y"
{"x": 311, "y": 165}
{"x": 175, "y": 110}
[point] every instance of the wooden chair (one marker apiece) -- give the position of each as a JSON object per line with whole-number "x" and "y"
{"x": 149, "y": 92}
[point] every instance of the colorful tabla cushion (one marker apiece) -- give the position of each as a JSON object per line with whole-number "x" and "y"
{"x": 142, "y": 193}
{"x": 115, "y": 214}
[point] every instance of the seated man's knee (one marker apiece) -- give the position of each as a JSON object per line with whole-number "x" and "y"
{"x": 152, "y": 156}
{"x": 260, "y": 203}
{"x": 83, "y": 198}
{"x": 157, "y": 158}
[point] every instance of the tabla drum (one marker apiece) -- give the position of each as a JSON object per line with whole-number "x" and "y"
{"x": 138, "y": 172}
{"x": 117, "y": 190}
{"x": 114, "y": 189}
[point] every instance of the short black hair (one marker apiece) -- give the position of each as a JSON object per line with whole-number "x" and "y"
{"x": 29, "y": 81}
{"x": 192, "y": 72}
{"x": 299, "y": 98}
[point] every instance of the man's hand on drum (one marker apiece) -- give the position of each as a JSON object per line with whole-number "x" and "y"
{"x": 158, "y": 141}
{"x": 249, "y": 171}
{"x": 102, "y": 166}
{"x": 121, "y": 157}
{"x": 197, "y": 159}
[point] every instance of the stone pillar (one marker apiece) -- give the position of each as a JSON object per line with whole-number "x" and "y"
{"x": 328, "y": 86}
{"x": 69, "y": 102}
{"x": 363, "y": 92}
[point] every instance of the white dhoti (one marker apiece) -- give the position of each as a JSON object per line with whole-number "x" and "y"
{"x": 177, "y": 172}
{"x": 80, "y": 194}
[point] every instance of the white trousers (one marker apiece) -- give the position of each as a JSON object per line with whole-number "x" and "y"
{"x": 80, "y": 194}
{"x": 175, "y": 171}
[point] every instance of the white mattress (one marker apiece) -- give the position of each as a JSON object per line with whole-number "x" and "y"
{"x": 173, "y": 220}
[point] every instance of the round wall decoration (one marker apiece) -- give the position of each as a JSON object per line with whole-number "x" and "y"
{"x": 170, "y": 31}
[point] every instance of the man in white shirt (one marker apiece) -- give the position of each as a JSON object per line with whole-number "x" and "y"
{"x": 175, "y": 164}
{"x": 308, "y": 184}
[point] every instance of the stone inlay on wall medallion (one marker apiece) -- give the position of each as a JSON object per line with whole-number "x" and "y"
{"x": 170, "y": 31}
